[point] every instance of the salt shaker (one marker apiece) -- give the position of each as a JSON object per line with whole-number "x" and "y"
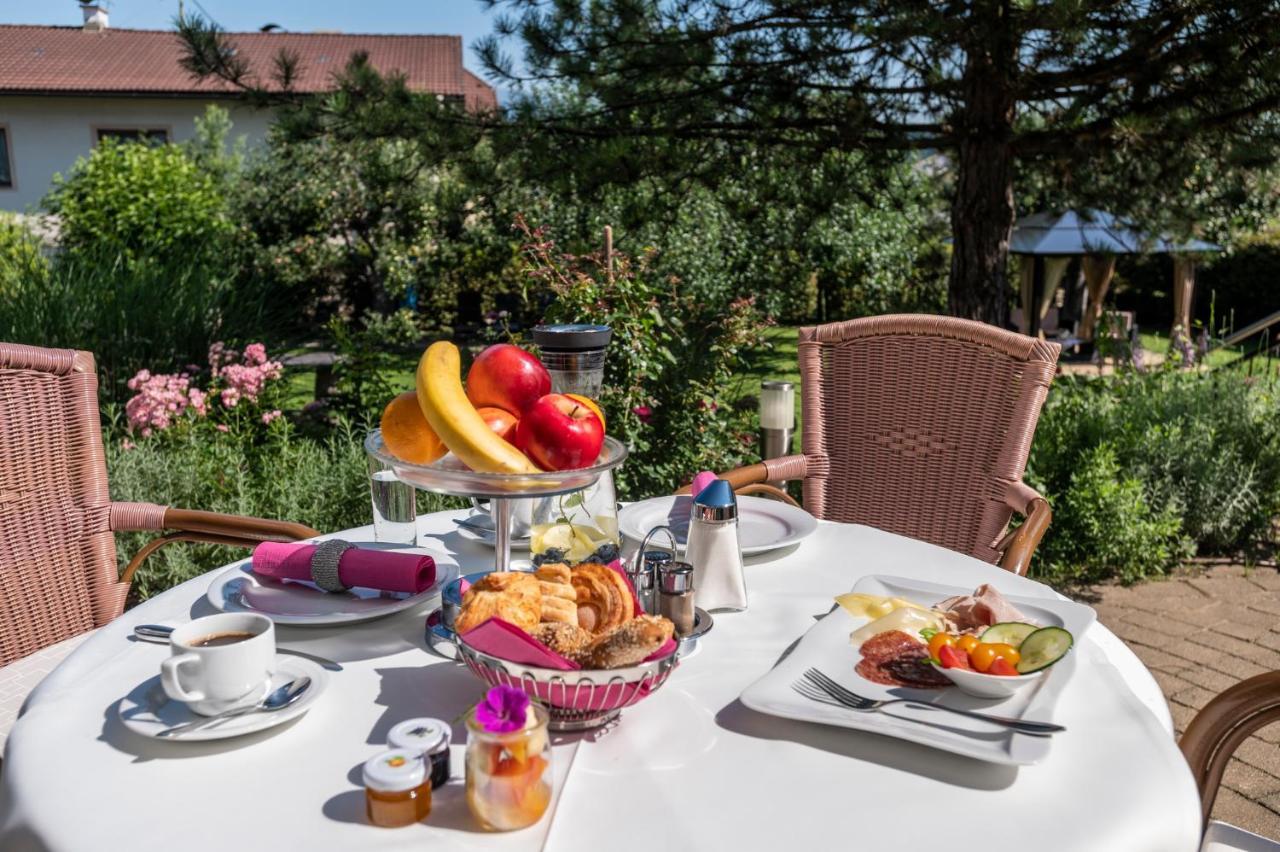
{"x": 675, "y": 595}
{"x": 713, "y": 549}
{"x": 648, "y": 566}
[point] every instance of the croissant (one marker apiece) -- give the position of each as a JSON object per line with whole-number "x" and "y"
{"x": 512, "y": 596}
{"x": 628, "y": 644}
{"x": 559, "y": 610}
{"x": 604, "y": 598}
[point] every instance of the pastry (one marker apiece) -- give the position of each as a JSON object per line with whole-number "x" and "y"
{"x": 512, "y": 596}
{"x": 558, "y": 596}
{"x": 604, "y": 597}
{"x": 568, "y": 640}
{"x": 627, "y": 644}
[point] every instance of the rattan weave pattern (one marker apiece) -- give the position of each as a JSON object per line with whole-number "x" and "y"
{"x": 57, "y": 556}
{"x": 921, "y": 425}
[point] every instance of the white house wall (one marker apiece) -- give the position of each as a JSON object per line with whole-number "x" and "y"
{"x": 47, "y": 134}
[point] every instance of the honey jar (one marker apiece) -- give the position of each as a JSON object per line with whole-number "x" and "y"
{"x": 397, "y": 788}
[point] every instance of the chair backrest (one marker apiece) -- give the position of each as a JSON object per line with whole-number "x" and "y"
{"x": 920, "y": 424}
{"x": 58, "y": 573}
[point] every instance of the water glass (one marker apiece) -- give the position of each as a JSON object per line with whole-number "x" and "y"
{"x": 395, "y": 517}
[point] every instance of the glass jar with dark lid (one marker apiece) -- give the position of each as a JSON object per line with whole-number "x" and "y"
{"x": 574, "y": 355}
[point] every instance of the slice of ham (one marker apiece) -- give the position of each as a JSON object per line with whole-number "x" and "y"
{"x": 985, "y": 607}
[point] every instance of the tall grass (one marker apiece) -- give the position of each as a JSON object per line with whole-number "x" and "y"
{"x": 150, "y": 313}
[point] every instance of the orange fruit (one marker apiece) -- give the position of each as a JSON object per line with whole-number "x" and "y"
{"x": 592, "y": 406}
{"x": 406, "y": 432}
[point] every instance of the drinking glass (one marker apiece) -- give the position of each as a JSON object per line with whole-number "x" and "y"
{"x": 509, "y": 775}
{"x": 395, "y": 517}
{"x": 581, "y": 526}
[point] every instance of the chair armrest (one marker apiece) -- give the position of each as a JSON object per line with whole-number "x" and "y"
{"x": 753, "y": 478}
{"x": 1222, "y": 725}
{"x": 1020, "y": 544}
{"x": 196, "y": 526}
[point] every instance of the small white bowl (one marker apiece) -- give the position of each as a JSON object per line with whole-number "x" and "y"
{"x": 989, "y": 685}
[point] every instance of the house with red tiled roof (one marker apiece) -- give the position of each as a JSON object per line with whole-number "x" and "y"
{"x": 62, "y": 89}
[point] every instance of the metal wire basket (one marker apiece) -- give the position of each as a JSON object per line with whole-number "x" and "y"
{"x": 575, "y": 700}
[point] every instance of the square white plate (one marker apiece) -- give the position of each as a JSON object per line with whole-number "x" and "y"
{"x": 826, "y": 647}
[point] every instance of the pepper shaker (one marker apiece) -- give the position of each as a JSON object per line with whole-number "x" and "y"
{"x": 675, "y": 596}
{"x": 647, "y": 566}
{"x": 713, "y": 549}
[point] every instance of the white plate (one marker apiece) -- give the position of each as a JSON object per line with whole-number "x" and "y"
{"x": 238, "y": 589}
{"x": 826, "y": 647}
{"x": 763, "y": 524}
{"x": 148, "y": 711}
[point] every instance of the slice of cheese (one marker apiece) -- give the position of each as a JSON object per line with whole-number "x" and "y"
{"x": 870, "y": 606}
{"x": 910, "y": 619}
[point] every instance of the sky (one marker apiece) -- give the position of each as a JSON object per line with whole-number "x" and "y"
{"x": 466, "y": 18}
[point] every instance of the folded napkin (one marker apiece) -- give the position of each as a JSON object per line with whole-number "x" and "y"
{"x": 384, "y": 570}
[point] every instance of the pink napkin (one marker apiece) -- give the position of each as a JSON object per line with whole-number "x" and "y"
{"x": 384, "y": 570}
{"x": 701, "y": 481}
{"x": 503, "y": 640}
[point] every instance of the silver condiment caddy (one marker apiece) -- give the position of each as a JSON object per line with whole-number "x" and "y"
{"x": 664, "y": 586}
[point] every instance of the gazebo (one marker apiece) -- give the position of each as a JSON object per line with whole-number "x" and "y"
{"x": 1096, "y": 237}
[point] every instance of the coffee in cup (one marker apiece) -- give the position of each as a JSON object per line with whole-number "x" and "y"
{"x": 220, "y": 662}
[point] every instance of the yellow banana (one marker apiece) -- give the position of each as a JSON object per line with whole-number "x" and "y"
{"x": 452, "y": 416}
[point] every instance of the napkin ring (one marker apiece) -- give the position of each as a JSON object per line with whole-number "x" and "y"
{"x": 324, "y": 564}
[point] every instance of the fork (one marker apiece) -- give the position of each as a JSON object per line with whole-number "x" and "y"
{"x": 816, "y": 686}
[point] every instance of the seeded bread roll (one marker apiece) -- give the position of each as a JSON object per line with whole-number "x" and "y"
{"x": 565, "y": 639}
{"x": 627, "y": 644}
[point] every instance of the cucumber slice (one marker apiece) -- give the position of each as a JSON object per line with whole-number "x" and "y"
{"x": 1043, "y": 648}
{"x": 1008, "y": 632}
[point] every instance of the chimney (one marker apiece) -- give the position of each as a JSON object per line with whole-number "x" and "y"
{"x": 95, "y": 17}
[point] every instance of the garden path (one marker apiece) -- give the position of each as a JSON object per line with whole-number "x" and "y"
{"x": 1200, "y": 632}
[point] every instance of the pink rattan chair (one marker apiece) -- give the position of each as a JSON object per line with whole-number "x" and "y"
{"x": 920, "y": 425}
{"x": 58, "y": 575}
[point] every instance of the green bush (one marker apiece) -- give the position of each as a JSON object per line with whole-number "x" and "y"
{"x": 21, "y": 256}
{"x": 669, "y": 377}
{"x": 141, "y": 201}
{"x": 1204, "y": 449}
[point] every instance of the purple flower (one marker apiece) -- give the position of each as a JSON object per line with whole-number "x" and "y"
{"x": 503, "y": 710}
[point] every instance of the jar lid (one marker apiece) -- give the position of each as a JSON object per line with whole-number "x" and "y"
{"x": 421, "y": 736}
{"x": 571, "y": 337}
{"x": 395, "y": 771}
{"x": 715, "y": 503}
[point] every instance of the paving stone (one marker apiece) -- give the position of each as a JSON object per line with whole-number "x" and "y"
{"x": 1148, "y": 621}
{"x": 1265, "y": 576}
{"x": 1253, "y": 816}
{"x": 1230, "y": 646}
{"x": 1249, "y": 780}
{"x": 1260, "y": 755}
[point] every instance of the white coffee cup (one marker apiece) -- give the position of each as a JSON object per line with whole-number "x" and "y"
{"x": 222, "y": 675}
{"x": 521, "y": 514}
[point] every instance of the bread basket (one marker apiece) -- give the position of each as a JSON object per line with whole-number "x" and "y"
{"x": 575, "y": 700}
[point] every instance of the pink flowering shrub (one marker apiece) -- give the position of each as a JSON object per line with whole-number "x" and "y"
{"x": 161, "y": 401}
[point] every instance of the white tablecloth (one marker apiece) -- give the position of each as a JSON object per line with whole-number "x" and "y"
{"x": 690, "y": 768}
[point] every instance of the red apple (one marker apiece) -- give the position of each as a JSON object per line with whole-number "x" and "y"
{"x": 505, "y": 376}
{"x": 557, "y": 433}
{"x": 500, "y": 421}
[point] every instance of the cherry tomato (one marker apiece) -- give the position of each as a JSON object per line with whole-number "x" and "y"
{"x": 938, "y": 641}
{"x": 967, "y": 642}
{"x": 1001, "y": 666}
{"x": 982, "y": 656}
{"x": 953, "y": 658}
{"x": 1006, "y": 652}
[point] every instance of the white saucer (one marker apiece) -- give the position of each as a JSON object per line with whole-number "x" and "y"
{"x": 148, "y": 711}
{"x": 238, "y": 589}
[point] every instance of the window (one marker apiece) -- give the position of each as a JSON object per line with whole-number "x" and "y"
{"x": 149, "y": 135}
{"x": 6, "y": 164}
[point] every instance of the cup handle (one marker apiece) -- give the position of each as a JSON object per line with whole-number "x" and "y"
{"x": 172, "y": 683}
{"x": 479, "y": 506}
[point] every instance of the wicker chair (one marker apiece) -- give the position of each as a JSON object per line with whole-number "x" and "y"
{"x": 920, "y": 425}
{"x": 58, "y": 575}
{"x": 1213, "y": 736}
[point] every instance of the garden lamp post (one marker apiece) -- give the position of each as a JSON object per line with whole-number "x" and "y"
{"x": 777, "y": 420}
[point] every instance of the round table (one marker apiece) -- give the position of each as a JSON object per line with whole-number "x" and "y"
{"x": 689, "y": 768}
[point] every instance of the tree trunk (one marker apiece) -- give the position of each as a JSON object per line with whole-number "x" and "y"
{"x": 982, "y": 211}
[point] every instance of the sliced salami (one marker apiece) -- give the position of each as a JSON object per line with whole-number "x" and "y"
{"x": 893, "y": 658}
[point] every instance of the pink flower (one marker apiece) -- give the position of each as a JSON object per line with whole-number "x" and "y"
{"x": 230, "y": 396}
{"x": 127, "y": 445}
{"x": 271, "y": 415}
{"x": 255, "y": 353}
{"x": 644, "y": 412}
{"x": 222, "y": 427}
